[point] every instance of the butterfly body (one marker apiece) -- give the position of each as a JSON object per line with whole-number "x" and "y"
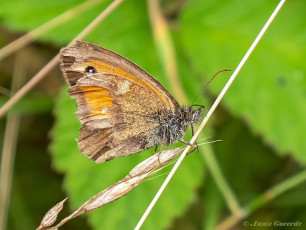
{"x": 123, "y": 110}
{"x": 173, "y": 125}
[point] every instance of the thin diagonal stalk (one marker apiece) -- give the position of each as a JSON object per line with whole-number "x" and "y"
{"x": 42, "y": 73}
{"x": 137, "y": 175}
{"x": 216, "y": 172}
{"x": 210, "y": 112}
{"x": 166, "y": 48}
{"x": 263, "y": 199}
{"x": 9, "y": 145}
{"x": 34, "y": 34}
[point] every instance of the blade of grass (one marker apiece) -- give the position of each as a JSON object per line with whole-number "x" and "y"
{"x": 166, "y": 49}
{"x": 50, "y": 65}
{"x": 263, "y": 199}
{"x": 210, "y": 112}
{"x": 34, "y": 34}
{"x": 9, "y": 144}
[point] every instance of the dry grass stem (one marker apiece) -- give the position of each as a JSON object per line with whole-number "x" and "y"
{"x": 34, "y": 34}
{"x": 164, "y": 43}
{"x": 42, "y": 73}
{"x": 9, "y": 143}
{"x": 210, "y": 112}
{"x": 51, "y": 215}
{"x": 136, "y": 176}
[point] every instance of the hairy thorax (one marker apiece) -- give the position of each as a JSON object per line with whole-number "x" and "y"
{"x": 173, "y": 125}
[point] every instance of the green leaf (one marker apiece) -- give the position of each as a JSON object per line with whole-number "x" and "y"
{"x": 30, "y": 104}
{"x": 25, "y": 15}
{"x": 269, "y": 93}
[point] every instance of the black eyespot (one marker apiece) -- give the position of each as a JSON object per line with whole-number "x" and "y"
{"x": 90, "y": 69}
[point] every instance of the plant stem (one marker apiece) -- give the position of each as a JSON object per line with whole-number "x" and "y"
{"x": 263, "y": 199}
{"x": 209, "y": 113}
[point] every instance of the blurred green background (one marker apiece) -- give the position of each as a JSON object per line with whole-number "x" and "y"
{"x": 261, "y": 120}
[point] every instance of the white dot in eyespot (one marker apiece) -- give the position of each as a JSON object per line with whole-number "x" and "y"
{"x": 90, "y": 70}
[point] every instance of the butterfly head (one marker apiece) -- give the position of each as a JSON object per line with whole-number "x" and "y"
{"x": 191, "y": 116}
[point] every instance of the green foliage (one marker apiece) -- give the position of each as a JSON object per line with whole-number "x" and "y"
{"x": 30, "y": 104}
{"x": 269, "y": 94}
{"x": 261, "y": 119}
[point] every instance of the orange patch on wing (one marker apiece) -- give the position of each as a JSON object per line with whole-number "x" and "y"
{"x": 97, "y": 99}
{"x": 104, "y": 67}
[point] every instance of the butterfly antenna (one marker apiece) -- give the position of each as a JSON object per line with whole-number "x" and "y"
{"x": 204, "y": 87}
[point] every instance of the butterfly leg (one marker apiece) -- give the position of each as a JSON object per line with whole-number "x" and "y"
{"x": 161, "y": 149}
{"x": 155, "y": 150}
{"x": 187, "y": 143}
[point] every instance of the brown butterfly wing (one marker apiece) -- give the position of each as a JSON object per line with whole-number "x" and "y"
{"x": 116, "y": 105}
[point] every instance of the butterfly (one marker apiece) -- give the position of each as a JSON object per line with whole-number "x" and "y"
{"x": 123, "y": 109}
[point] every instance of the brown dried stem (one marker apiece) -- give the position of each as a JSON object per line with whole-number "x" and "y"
{"x": 162, "y": 37}
{"x": 210, "y": 112}
{"x": 42, "y": 73}
{"x": 166, "y": 49}
{"x": 136, "y": 176}
{"x": 34, "y": 34}
{"x": 9, "y": 143}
